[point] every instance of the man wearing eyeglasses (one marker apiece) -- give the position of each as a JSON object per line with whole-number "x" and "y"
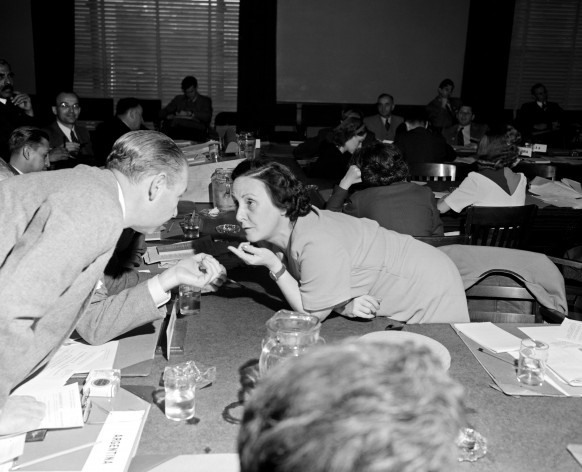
{"x": 70, "y": 142}
{"x": 15, "y": 108}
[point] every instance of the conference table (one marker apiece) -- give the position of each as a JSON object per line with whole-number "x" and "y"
{"x": 523, "y": 433}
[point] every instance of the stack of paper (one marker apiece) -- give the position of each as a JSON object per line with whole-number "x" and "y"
{"x": 566, "y": 193}
{"x": 490, "y": 336}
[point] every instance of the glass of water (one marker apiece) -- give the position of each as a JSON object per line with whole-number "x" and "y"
{"x": 189, "y": 300}
{"x": 531, "y": 366}
{"x": 180, "y": 387}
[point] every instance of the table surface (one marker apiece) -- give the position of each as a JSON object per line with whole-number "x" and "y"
{"x": 523, "y": 434}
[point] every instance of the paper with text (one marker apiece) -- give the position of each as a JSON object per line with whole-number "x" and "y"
{"x": 489, "y": 336}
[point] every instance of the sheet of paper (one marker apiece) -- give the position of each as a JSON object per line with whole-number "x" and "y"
{"x": 564, "y": 357}
{"x": 11, "y": 447}
{"x": 490, "y": 336}
{"x": 571, "y": 330}
{"x": 62, "y": 407}
{"x": 98, "y": 357}
{"x": 116, "y": 442}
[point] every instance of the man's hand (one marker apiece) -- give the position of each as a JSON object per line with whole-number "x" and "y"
{"x": 21, "y": 414}
{"x": 199, "y": 271}
{"x": 22, "y": 100}
{"x": 72, "y": 148}
{"x": 59, "y": 154}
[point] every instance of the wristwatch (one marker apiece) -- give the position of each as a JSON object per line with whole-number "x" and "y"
{"x": 277, "y": 275}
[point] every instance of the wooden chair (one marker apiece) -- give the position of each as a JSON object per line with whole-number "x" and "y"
{"x": 499, "y": 226}
{"x": 437, "y": 241}
{"x": 432, "y": 171}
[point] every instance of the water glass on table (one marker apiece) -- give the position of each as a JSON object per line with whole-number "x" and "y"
{"x": 531, "y": 366}
{"x": 180, "y": 387}
{"x": 246, "y": 145}
{"x": 189, "y": 300}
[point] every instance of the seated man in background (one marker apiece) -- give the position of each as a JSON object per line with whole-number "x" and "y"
{"x": 29, "y": 150}
{"x": 386, "y": 196}
{"x": 15, "y": 108}
{"x": 466, "y": 132}
{"x": 128, "y": 117}
{"x": 540, "y": 121}
{"x": 353, "y": 406}
{"x": 70, "y": 142}
{"x": 419, "y": 145}
{"x": 56, "y": 242}
{"x": 384, "y": 123}
{"x": 187, "y": 116}
{"x": 442, "y": 110}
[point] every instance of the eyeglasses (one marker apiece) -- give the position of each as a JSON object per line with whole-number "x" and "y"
{"x": 10, "y": 75}
{"x": 68, "y": 106}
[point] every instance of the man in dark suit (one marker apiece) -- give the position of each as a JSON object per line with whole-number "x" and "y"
{"x": 70, "y": 141}
{"x": 128, "y": 117}
{"x": 419, "y": 145}
{"x": 442, "y": 110}
{"x": 384, "y": 123}
{"x": 466, "y": 132}
{"x": 15, "y": 108}
{"x": 540, "y": 121}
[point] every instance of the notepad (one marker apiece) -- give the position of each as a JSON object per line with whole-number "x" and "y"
{"x": 490, "y": 336}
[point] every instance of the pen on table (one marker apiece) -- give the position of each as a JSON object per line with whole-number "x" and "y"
{"x": 496, "y": 357}
{"x": 53, "y": 456}
{"x": 234, "y": 282}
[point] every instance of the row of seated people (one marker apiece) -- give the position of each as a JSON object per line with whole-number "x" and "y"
{"x": 187, "y": 116}
{"x": 376, "y": 186}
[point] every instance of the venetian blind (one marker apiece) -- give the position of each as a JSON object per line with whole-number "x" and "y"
{"x": 546, "y": 47}
{"x": 144, "y": 48}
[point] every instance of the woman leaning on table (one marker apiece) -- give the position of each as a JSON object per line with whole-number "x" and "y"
{"x": 325, "y": 261}
{"x": 494, "y": 183}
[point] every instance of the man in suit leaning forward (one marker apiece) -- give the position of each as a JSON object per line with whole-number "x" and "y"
{"x": 59, "y": 231}
{"x": 384, "y": 123}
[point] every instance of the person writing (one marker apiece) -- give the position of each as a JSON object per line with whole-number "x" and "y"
{"x": 387, "y": 198}
{"x": 325, "y": 261}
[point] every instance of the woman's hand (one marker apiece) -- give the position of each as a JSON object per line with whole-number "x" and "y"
{"x": 257, "y": 256}
{"x": 201, "y": 271}
{"x": 365, "y": 306}
{"x": 353, "y": 176}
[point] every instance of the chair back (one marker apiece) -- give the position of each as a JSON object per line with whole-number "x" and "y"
{"x": 431, "y": 171}
{"x": 499, "y": 226}
{"x": 501, "y": 297}
{"x": 437, "y": 241}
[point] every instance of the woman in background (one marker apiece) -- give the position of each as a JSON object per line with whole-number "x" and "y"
{"x": 494, "y": 184}
{"x": 387, "y": 198}
{"x": 325, "y": 261}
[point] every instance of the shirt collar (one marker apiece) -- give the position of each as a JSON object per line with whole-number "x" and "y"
{"x": 3, "y": 100}
{"x": 66, "y": 131}
{"x": 121, "y": 199}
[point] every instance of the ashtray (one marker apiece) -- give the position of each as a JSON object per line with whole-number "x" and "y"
{"x": 210, "y": 213}
{"x": 228, "y": 229}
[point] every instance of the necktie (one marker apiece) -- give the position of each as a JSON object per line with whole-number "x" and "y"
{"x": 387, "y": 125}
{"x": 74, "y": 138}
{"x": 460, "y": 137}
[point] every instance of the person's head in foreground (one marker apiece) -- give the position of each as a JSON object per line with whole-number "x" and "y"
{"x": 268, "y": 197}
{"x": 29, "y": 149}
{"x": 380, "y": 164}
{"x": 353, "y": 407}
{"x": 153, "y": 174}
{"x": 496, "y": 151}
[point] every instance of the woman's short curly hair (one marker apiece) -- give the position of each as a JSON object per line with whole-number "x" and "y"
{"x": 381, "y": 164}
{"x": 286, "y": 191}
{"x": 495, "y": 152}
{"x": 346, "y": 130}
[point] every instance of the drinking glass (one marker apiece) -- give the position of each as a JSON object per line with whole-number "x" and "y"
{"x": 246, "y": 145}
{"x": 531, "y": 366}
{"x": 189, "y": 300}
{"x": 180, "y": 387}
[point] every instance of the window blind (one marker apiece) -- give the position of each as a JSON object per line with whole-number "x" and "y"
{"x": 144, "y": 48}
{"x": 546, "y": 47}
